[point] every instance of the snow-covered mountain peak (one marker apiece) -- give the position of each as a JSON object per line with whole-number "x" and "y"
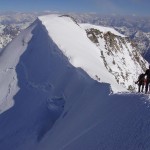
{"x": 48, "y": 102}
{"x": 120, "y": 55}
{"x": 74, "y": 43}
{"x": 111, "y": 58}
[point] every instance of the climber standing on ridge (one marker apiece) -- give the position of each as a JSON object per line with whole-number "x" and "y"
{"x": 141, "y": 82}
{"x": 147, "y": 73}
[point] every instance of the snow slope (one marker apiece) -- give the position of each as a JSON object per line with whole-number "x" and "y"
{"x": 119, "y": 54}
{"x": 48, "y": 103}
{"x": 74, "y": 43}
{"x": 120, "y": 63}
{"x": 9, "y": 58}
{"x": 96, "y": 121}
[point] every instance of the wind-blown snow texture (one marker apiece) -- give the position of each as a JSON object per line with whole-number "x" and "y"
{"x": 47, "y": 103}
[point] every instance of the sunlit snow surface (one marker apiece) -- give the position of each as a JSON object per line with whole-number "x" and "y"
{"x": 74, "y": 43}
{"x": 50, "y": 102}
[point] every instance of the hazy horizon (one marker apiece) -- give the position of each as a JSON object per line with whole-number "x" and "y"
{"x": 104, "y": 7}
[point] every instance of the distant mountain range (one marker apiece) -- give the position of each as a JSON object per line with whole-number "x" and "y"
{"x": 137, "y": 28}
{"x": 11, "y": 24}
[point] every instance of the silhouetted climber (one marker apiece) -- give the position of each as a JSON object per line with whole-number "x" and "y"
{"x": 147, "y": 73}
{"x": 141, "y": 82}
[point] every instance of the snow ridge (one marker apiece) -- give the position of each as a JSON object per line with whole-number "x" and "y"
{"x": 76, "y": 46}
{"x": 57, "y": 105}
{"x": 109, "y": 51}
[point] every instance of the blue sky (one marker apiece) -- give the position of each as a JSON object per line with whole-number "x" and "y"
{"x": 123, "y": 7}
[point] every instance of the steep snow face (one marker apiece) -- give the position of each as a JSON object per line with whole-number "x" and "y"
{"x": 37, "y": 83}
{"x": 72, "y": 40}
{"x": 111, "y": 59}
{"x": 33, "y": 75}
{"x": 9, "y": 58}
{"x": 57, "y": 106}
{"x": 120, "y": 56}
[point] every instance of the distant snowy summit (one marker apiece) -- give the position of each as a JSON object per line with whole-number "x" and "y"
{"x": 11, "y": 24}
{"x": 105, "y": 54}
